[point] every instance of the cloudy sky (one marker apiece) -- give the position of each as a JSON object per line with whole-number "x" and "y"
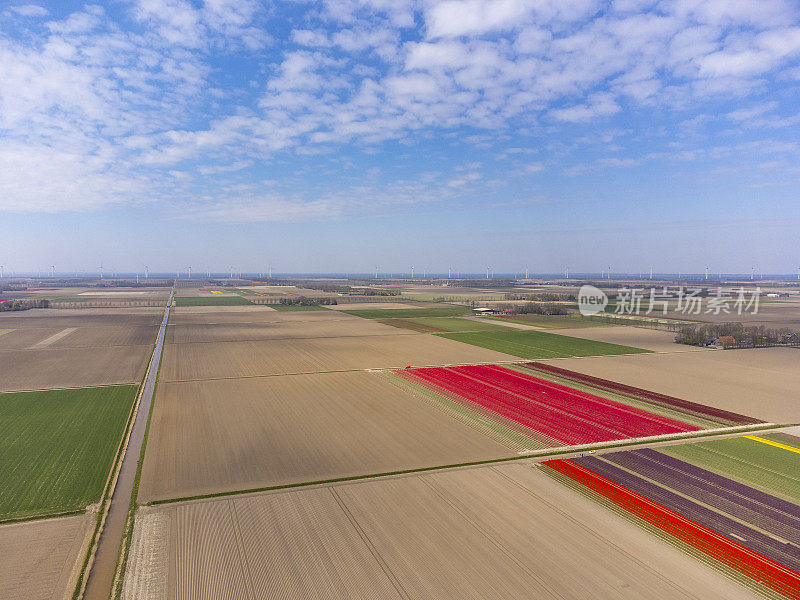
{"x": 336, "y": 136}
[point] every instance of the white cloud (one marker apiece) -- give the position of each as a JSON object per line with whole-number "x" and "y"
{"x": 202, "y": 87}
{"x": 451, "y": 18}
{"x": 29, "y": 10}
{"x": 601, "y": 104}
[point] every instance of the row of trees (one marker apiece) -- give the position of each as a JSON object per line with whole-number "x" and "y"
{"x": 534, "y": 308}
{"x": 306, "y": 301}
{"x": 23, "y": 304}
{"x": 542, "y": 297}
{"x": 736, "y": 335}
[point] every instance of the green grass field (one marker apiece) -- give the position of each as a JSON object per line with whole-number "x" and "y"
{"x": 539, "y": 344}
{"x": 297, "y": 307}
{"x": 552, "y": 321}
{"x": 57, "y": 447}
{"x": 409, "y": 313}
{"x": 210, "y": 301}
{"x": 443, "y": 324}
{"x": 760, "y": 465}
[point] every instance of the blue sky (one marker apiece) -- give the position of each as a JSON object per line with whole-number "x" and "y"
{"x": 336, "y": 136}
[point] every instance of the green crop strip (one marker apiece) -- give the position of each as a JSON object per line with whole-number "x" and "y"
{"x": 58, "y": 447}
{"x": 539, "y": 344}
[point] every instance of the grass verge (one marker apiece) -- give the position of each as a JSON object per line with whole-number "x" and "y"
{"x": 211, "y": 301}
{"x": 539, "y": 344}
{"x": 543, "y": 455}
{"x": 296, "y": 307}
{"x": 409, "y": 313}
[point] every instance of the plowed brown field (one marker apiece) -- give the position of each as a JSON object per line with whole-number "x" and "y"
{"x": 215, "y": 436}
{"x": 487, "y": 532}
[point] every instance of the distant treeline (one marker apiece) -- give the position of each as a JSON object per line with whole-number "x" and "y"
{"x": 736, "y": 335}
{"x": 306, "y": 301}
{"x": 23, "y": 304}
{"x": 534, "y": 308}
{"x": 544, "y": 297}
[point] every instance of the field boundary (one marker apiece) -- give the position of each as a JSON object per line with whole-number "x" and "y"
{"x": 130, "y": 519}
{"x": 540, "y": 454}
{"x": 80, "y": 584}
{"x": 82, "y": 580}
{"x": 677, "y": 543}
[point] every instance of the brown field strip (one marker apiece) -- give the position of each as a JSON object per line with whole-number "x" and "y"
{"x": 40, "y": 559}
{"x": 251, "y": 359}
{"x": 638, "y": 337}
{"x": 761, "y": 382}
{"x": 487, "y": 532}
{"x": 72, "y": 367}
{"x": 412, "y": 325}
{"x": 226, "y": 435}
{"x": 236, "y": 332}
{"x": 90, "y": 317}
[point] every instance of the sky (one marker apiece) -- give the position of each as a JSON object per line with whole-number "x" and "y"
{"x": 342, "y": 135}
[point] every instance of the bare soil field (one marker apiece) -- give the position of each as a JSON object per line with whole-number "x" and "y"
{"x": 761, "y": 382}
{"x": 214, "y": 436}
{"x": 49, "y": 368}
{"x": 90, "y": 317}
{"x": 649, "y": 339}
{"x": 268, "y": 330}
{"x": 371, "y": 305}
{"x": 486, "y": 532}
{"x": 78, "y": 337}
{"x": 41, "y": 559}
{"x": 273, "y": 357}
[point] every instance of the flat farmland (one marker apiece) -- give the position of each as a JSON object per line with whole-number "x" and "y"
{"x": 211, "y": 300}
{"x": 54, "y": 318}
{"x": 274, "y": 357}
{"x": 373, "y": 306}
{"x": 742, "y": 526}
{"x": 761, "y": 382}
{"x": 273, "y": 329}
{"x": 639, "y": 337}
{"x": 50, "y": 368}
{"x": 78, "y": 337}
{"x": 538, "y": 344}
{"x": 444, "y": 324}
{"x": 409, "y": 313}
{"x": 216, "y": 436}
{"x": 497, "y": 532}
{"x": 58, "y": 446}
{"x": 41, "y": 559}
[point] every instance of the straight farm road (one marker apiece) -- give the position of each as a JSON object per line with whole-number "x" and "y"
{"x": 100, "y": 577}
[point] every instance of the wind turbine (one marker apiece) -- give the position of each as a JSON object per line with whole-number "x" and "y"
{"x": 101, "y": 270}
{"x": 1, "y": 272}
{"x": 449, "y": 269}
{"x": 231, "y": 275}
{"x": 526, "y": 271}
{"x": 706, "y": 273}
{"x": 566, "y": 272}
{"x": 412, "y": 272}
{"x": 651, "y": 272}
{"x": 376, "y": 271}
{"x": 190, "y": 272}
{"x": 487, "y": 272}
